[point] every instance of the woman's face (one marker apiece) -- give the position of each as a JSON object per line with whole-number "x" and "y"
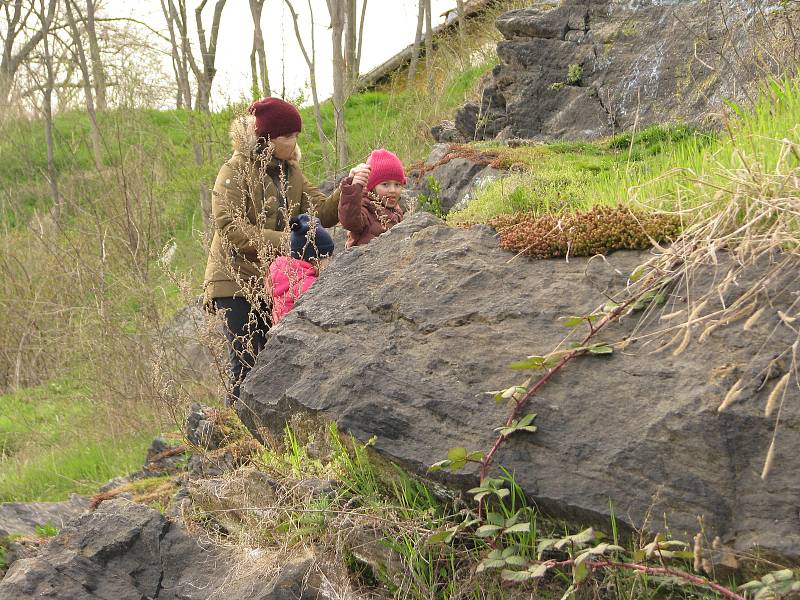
{"x": 283, "y": 146}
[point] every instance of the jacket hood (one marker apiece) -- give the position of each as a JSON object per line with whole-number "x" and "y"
{"x": 244, "y": 139}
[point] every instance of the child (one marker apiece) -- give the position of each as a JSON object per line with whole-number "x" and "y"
{"x": 370, "y": 201}
{"x": 291, "y": 276}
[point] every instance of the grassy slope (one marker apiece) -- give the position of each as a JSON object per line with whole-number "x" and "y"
{"x": 49, "y": 447}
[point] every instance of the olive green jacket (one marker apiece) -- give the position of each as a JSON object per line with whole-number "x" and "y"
{"x": 244, "y": 209}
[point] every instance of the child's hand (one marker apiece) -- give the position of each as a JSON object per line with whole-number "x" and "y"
{"x": 360, "y": 174}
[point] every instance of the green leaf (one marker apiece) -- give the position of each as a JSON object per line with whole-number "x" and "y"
{"x": 573, "y": 321}
{"x": 475, "y": 456}
{"x": 527, "y": 420}
{"x": 501, "y": 493}
{"x": 519, "y": 528}
{"x": 441, "y": 536}
{"x": 600, "y": 348}
{"x": 510, "y": 551}
{"x": 518, "y": 576}
{"x": 532, "y": 362}
{"x": 579, "y": 539}
{"x": 438, "y": 466}
{"x": 545, "y": 544}
{"x": 496, "y": 519}
{"x": 487, "y": 530}
{"x": 579, "y": 573}
{"x": 456, "y": 454}
{"x": 517, "y": 561}
{"x": 490, "y": 564}
{"x": 610, "y": 306}
{"x": 539, "y": 570}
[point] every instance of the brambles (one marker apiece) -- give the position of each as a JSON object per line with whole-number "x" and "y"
{"x": 598, "y": 230}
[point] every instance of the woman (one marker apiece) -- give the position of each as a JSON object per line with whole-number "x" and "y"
{"x": 256, "y": 192}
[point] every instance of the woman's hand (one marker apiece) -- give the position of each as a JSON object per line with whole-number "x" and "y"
{"x": 360, "y": 174}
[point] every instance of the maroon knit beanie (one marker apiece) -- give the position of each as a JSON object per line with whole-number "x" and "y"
{"x": 385, "y": 166}
{"x": 275, "y": 117}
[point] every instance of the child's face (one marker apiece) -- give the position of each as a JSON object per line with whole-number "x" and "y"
{"x": 390, "y": 190}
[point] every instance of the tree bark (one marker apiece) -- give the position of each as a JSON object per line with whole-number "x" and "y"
{"x": 311, "y": 62}
{"x": 208, "y": 52}
{"x": 412, "y": 67}
{"x": 336, "y": 9}
{"x": 94, "y": 131}
{"x": 258, "y": 55}
{"x": 98, "y": 73}
{"x": 350, "y": 42}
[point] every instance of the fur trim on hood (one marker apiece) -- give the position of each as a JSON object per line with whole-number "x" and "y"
{"x": 244, "y": 139}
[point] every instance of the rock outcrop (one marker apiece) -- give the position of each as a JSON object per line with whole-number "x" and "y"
{"x": 127, "y": 550}
{"x": 22, "y": 518}
{"x": 402, "y": 338}
{"x": 588, "y": 68}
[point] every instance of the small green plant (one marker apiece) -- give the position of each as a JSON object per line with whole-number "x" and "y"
{"x": 778, "y": 584}
{"x": 574, "y": 74}
{"x": 555, "y": 86}
{"x": 432, "y": 202}
{"x": 46, "y": 530}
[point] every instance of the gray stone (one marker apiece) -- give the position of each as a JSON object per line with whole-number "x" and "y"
{"x": 418, "y": 325}
{"x": 128, "y": 551}
{"x": 22, "y": 517}
{"x": 641, "y": 62}
{"x": 446, "y": 132}
{"x": 457, "y": 180}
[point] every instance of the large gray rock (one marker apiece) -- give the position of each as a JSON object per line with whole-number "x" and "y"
{"x": 401, "y": 339}
{"x": 641, "y": 63}
{"x": 128, "y": 551}
{"x": 22, "y": 518}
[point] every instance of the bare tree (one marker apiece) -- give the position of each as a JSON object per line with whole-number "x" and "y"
{"x": 336, "y": 9}
{"x": 353, "y": 35}
{"x": 98, "y": 73}
{"x": 179, "y": 42}
{"x": 311, "y": 62}
{"x": 258, "y": 68}
{"x": 87, "y": 84}
{"x": 208, "y": 54}
{"x": 412, "y": 67}
{"x": 16, "y": 18}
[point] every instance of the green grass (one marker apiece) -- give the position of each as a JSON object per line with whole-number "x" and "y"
{"x": 563, "y": 176}
{"x": 52, "y": 444}
{"x": 660, "y": 167}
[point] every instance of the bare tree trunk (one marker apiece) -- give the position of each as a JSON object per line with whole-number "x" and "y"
{"x": 10, "y": 60}
{"x": 336, "y": 9}
{"x": 360, "y": 37}
{"x": 428, "y": 46}
{"x": 311, "y": 62}
{"x": 350, "y": 42}
{"x": 94, "y": 131}
{"x": 412, "y": 68}
{"x": 258, "y": 56}
{"x": 178, "y": 36}
{"x": 208, "y": 53}
{"x": 48, "y": 110}
{"x": 98, "y": 73}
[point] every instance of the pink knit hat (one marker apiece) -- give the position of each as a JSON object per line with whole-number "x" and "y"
{"x": 385, "y": 166}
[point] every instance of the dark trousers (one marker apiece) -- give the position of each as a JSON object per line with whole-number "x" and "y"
{"x": 246, "y": 331}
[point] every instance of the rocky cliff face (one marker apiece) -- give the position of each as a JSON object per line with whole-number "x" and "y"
{"x": 588, "y": 68}
{"x": 400, "y": 339}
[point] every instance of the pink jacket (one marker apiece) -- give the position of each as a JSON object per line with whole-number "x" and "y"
{"x": 290, "y": 277}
